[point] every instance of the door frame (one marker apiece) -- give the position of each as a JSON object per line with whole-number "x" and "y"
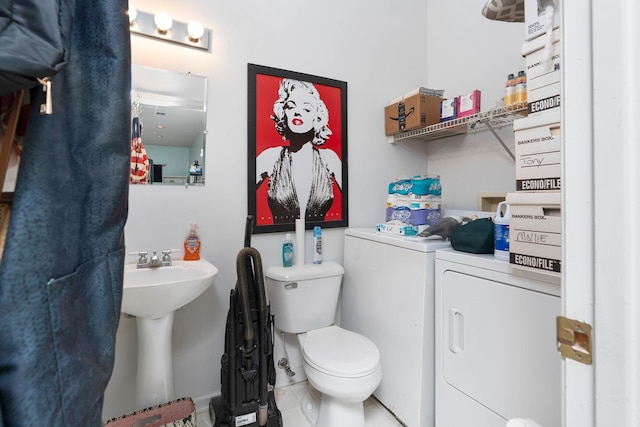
{"x": 601, "y": 199}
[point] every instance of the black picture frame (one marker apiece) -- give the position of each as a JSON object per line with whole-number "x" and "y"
{"x": 266, "y": 141}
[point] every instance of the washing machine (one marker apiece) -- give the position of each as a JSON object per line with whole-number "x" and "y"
{"x": 495, "y": 334}
{"x": 388, "y": 296}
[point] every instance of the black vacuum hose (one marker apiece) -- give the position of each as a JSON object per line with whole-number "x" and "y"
{"x": 245, "y": 256}
{"x": 263, "y": 319}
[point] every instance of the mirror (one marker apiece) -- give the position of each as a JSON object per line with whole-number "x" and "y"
{"x": 171, "y": 108}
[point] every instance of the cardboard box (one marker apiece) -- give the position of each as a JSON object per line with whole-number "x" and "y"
{"x": 535, "y": 232}
{"x": 536, "y": 17}
{"x": 449, "y": 109}
{"x": 538, "y": 152}
{"x": 469, "y": 104}
{"x": 546, "y": 98}
{"x": 488, "y": 201}
{"x": 543, "y": 74}
{"x": 413, "y": 112}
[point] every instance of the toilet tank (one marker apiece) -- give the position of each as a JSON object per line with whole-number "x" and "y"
{"x": 304, "y": 297}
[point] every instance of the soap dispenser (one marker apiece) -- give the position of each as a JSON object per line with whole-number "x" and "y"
{"x": 192, "y": 244}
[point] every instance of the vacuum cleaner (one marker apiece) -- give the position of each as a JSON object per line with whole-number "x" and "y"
{"x": 248, "y": 373}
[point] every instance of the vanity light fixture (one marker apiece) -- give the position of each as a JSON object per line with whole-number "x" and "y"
{"x": 133, "y": 14}
{"x": 163, "y": 22}
{"x": 195, "y": 30}
{"x": 162, "y": 26}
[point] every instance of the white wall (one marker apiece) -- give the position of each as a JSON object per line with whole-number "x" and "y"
{"x": 382, "y": 49}
{"x": 175, "y": 159}
{"x": 467, "y": 52}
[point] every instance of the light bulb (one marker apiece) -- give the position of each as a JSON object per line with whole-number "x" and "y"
{"x": 163, "y": 22}
{"x": 133, "y": 14}
{"x": 195, "y": 30}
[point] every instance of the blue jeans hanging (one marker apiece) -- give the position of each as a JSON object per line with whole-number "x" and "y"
{"x": 61, "y": 273}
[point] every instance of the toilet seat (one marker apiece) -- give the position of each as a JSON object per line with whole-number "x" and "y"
{"x": 337, "y": 352}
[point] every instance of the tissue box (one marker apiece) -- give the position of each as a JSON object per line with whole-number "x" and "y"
{"x": 399, "y": 229}
{"x": 469, "y": 104}
{"x": 535, "y": 232}
{"x": 413, "y": 112}
{"x": 543, "y": 77}
{"x": 536, "y": 19}
{"x": 538, "y": 152}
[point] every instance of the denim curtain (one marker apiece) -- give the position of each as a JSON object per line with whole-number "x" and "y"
{"x": 62, "y": 269}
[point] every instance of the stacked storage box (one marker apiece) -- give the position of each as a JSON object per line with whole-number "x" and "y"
{"x": 535, "y": 232}
{"x": 413, "y": 204}
{"x": 542, "y": 59}
{"x": 538, "y": 155}
{"x": 540, "y": 15}
{"x": 536, "y": 225}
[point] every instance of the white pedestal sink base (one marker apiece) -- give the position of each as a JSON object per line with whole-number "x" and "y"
{"x": 154, "y": 382}
{"x": 153, "y": 295}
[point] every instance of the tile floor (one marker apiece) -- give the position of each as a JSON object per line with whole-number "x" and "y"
{"x": 288, "y": 400}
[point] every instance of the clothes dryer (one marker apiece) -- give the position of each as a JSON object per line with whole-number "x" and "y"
{"x": 495, "y": 334}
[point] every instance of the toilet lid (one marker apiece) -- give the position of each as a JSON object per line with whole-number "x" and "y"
{"x": 339, "y": 352}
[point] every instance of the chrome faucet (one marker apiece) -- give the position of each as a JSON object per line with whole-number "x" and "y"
{"x": 155, "y": 260}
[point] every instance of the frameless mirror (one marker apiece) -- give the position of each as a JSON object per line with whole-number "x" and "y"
{"x": 171, "y": 110}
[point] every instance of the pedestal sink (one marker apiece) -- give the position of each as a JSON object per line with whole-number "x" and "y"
{"x": 153, "y": 295}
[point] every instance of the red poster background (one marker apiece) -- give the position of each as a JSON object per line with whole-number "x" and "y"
{"x": 266, "y": 137}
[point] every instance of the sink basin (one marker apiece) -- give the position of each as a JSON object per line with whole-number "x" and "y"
{"x": 156, "y": 292}
{"x": 153, "y": 295}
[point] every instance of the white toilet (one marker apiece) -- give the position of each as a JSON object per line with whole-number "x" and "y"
{"x": 341, "y": 365}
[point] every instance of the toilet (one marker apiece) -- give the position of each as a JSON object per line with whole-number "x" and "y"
{"x": 343, "y": 367}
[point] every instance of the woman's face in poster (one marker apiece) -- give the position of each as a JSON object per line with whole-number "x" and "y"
{"x": 300, "y": 111}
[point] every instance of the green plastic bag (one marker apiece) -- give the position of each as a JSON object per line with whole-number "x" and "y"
{"x": 475, "y": 237}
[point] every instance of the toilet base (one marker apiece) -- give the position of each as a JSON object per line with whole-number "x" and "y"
{"x": 310, "y": 405}
{"x": 322, "y": 410}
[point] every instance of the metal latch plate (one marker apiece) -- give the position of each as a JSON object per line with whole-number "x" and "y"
{"x": 574, "y": 339}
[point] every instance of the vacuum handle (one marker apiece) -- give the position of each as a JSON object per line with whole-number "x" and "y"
{"x": 248, "y": 230}
{"x": 246, "y": 256}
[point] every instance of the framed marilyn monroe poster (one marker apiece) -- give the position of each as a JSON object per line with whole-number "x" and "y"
{"x": 297, "y": 154}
